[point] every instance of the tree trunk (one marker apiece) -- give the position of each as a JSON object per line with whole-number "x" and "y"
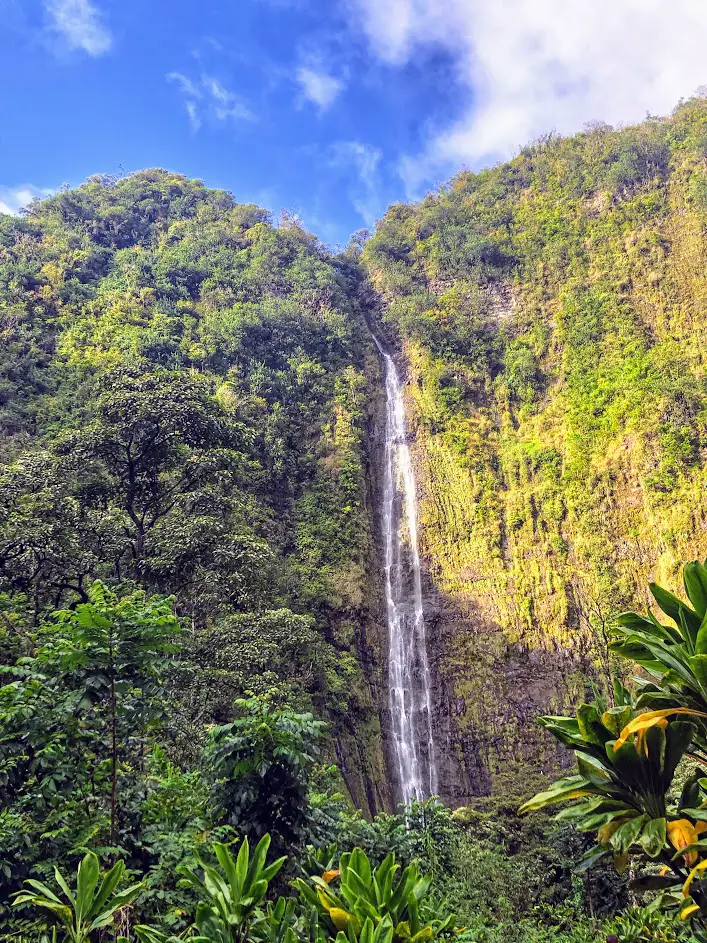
{"x": 114, "y": 759}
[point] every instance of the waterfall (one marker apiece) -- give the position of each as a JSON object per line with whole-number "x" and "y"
{"x": 409, "y": 682}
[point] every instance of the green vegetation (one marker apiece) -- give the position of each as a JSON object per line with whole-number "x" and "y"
{"x": 190, "y": 665}
{"x": 552, "y": 313}
{"x": 185, "y": 539}
{"x": 182, "y": 411}
{"x": 92, "y": 906}
{"x": 628, "y": 758}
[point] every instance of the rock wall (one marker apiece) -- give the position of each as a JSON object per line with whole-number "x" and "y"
{"x": 552, "y": 314}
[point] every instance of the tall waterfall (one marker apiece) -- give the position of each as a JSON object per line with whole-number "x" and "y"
{"x": 409, "y": 682}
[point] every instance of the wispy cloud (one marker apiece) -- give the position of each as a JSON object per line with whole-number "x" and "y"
{"x": 318, "y": 86}
{"x": 206, "y": 97}
{"x": 14, "y": 199}
{"x": 531, "y": 66}
{"x": 79, "y": 24}
{"x": 362, "y": 163}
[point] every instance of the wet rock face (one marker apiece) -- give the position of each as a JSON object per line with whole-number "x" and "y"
{"x": 491, "y": 675}
{"x": 489, "y": 681}
{"x": 488, "y": 695}
{"x": 486, "y": 691}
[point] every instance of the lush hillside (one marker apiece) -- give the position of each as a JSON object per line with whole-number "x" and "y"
{"x": 182, "y": 408}
{"x": 192, "y": 628}
{"x": 552, "y": 315}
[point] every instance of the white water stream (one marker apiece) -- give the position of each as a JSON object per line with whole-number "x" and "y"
{"x": 409, "y": 682}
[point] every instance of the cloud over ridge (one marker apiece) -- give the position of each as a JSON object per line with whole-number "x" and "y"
{"x": 531, "y": 66}
{"x": 14, "y": 199}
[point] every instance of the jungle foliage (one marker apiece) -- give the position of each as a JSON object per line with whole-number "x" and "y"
{"x": 182, "y": 408}
{"x": 184, "y": 536}
{"x": 625, "y": 789}
{"x": 187, "y": 667}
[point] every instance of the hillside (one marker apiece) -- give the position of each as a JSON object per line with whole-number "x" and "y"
{"x": 551, "y": 311}
{"x": 183, "y": 406}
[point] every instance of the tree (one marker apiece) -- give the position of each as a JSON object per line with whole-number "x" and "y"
{"x": 261, "y": 766}
{"x": 82, "y": 708}
{"x": 150, "y": 490}
{"x": 163, "y": 442}
{"x": 274, "y": 653}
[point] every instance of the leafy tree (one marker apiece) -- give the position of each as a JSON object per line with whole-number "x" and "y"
{"x": 79, "y": 714}
{"x": 273, "y": 653}
{"x": 164, "y": 443}
{"x": 261, "y": 765}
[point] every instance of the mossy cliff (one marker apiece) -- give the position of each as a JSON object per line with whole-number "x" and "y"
{"x": 552, "y": 315}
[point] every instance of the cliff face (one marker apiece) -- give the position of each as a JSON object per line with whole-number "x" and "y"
{"x": 552, "y": 315}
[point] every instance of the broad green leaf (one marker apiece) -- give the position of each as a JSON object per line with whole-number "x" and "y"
{"x": 653, "y": 837}
{"x": 672, "y": 607}
{"x": 627, "y": 834}
{"x": 61, "y": 881}
{"x": 86, "y": 881}
{"x": 110, "y": 881}
{"x": 230, "y": 868}
{"x": 695, "y": 579}
{"x": 258, "y": 859}
{"x": 572, "y": 787}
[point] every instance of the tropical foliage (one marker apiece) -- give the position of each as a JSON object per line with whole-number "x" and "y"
{"x": 92, "y": 906}
{"x": 627, "y": 759}
{"x": 364, "y": 904}
{"x": 190, "y": 657}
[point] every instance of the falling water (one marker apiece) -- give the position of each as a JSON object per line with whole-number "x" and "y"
{"x": 409, "y": 681}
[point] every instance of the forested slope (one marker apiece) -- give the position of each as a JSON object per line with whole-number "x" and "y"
{"x": 189, "y": 399}
{"x": 552, "y": 314}
{"x": 182, "y": 409}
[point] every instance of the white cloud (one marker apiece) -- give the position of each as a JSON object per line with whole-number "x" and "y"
{"x": 364, "y": 189}
{"x": 79, "y": 23}
{"x": 531, "y": 66}
{"x": 14, "y": 199}
{"x": 319, "y": 87}
{"x": 208, "y": 97}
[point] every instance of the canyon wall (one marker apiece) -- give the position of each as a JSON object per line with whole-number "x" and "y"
{"x": 551, "y": 313}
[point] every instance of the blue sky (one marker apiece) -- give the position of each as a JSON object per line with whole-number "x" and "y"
{"x": 331, "y": 109}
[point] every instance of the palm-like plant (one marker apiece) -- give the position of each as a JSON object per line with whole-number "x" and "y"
{"x": 626, "y": 763}
{"x": 232, "y": 898}
{"x": 373, "y": 906}
{"x": 627, "y": 759}
{"x": 282, "y": 922}
{"x": 90, "y": 907}
{"x": 674, "y": 656}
